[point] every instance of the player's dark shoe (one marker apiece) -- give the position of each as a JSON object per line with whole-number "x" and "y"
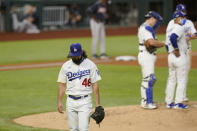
{"x": 180, "y": 106}
{"x": 95, "y": 56}
{"x": 170, "y": 106}
{"x": 104, "y": 56}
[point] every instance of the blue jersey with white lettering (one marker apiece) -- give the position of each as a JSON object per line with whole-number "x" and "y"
{"x": 98, "y": 10}
{"x": 79, "y": 78}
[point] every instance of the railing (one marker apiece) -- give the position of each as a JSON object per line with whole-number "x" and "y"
{"x": 55, "y": 15}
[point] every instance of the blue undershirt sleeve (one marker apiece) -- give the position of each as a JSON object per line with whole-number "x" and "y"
{"x": 173, "y": 40}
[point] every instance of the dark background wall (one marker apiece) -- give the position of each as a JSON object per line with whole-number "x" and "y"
{"x": 164, "y": 7}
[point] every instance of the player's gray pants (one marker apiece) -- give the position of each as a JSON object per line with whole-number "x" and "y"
{"x": 177, "y": 72}
{"x": 23, "y": 26}
{"x": 98, "y": 33}
{"x": 78, "y": 113}
{"x": 147, "y": 63}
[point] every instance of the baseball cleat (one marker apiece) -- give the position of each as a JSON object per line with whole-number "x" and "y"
{"x": 180, "y": 106}
{"x": 104, "y": 57}
{"x": 149, "y": 106}
{"x": 170, "y": 106}
{"x": 95, "y": 56}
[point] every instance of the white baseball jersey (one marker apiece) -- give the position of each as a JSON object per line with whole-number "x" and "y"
{"x": 78, "y": 78}
{"x": 188, "y": 28}
{"x": 180, "y": 31}
{"x": 144, "y": 35}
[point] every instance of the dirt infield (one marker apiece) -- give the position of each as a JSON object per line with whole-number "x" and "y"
{"x": 125, "y": 118}
{"x": 161, "y": 62}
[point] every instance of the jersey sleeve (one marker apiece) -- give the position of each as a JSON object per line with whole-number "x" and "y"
{"x": 147, "y": 35}
{"x": 193, "y": 29}
{"x": 62, "y": 76}
{"x": 94, "y": 74}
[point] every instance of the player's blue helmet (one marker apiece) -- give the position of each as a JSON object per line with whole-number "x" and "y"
{"x": 156, "y": 16}
{"x": 181, "y": 7}
{"x": 179, "y": 13}
{"x": 75, "y": 50}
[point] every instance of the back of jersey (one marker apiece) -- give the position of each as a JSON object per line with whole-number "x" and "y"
{"x": 179, "y": 31}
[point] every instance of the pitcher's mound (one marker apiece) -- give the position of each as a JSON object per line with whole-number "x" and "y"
{"x": 125, "y": 118}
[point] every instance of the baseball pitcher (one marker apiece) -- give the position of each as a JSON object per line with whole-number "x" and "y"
{"x": 147, "y": 56}
{"x": 79, "y": 76}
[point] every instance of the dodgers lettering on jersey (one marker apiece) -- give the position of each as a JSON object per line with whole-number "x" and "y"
{"x": 77, "y": 75}
{"x": 79, "y": 78}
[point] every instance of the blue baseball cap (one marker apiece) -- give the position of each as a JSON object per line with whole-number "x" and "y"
{"x": 179, "y": 13}
{"x": 75, "y": 50}
{"x": 181, "y": 7}
{"x": 155, "y": 15}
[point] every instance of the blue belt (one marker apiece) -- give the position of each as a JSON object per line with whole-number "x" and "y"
{"x": 77, "y": 98}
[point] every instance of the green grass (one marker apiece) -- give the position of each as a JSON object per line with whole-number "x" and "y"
{"x": 57, "y": 49}
{"x": 24, "y": 92}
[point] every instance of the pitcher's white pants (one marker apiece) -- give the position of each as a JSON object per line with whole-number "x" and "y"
{"x": 98, "y": 33}
{"x": 147, "y": 63}
{"x": 177, "y": 72}
{"x": 78, "y": 113}
{"x": 188, "y": 66}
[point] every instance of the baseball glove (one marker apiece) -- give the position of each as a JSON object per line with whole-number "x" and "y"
{"x": 98, "y": 115}
{"x": 150, "y": 48}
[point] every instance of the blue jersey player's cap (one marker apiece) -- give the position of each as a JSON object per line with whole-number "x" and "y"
{"x": 179, "y": 13}
{"x": 181, "y": 7}
{"x": 75, "y": 50}
{"x": 155, "y": 15}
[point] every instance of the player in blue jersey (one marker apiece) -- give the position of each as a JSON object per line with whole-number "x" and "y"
{"x": 97, "y": 13}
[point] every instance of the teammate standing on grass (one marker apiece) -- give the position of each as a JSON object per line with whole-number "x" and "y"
{"x": 97, "y": 13}
{"x": 177, "y": 61}
{"x": 79, "y": 77}
{"x": 191, "y": 33}
{"x": 147, "y": 56}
